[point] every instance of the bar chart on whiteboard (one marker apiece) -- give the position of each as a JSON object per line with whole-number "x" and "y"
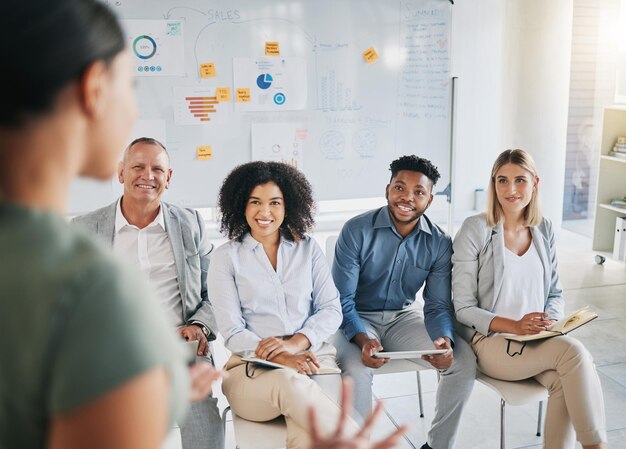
{"x": 197, "y": 106}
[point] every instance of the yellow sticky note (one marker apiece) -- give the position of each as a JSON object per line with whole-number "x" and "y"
{"x": 222, "y": 94}
{"x": 272, "y": 49}
{"x": 205, "y": 153}
{"x": 370, "y": 55}
{"x": 243, "y": 95}
{"x": 207, "y": 70}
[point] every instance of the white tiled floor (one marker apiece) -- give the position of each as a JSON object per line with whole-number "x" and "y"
{"x": 584, "y": 282}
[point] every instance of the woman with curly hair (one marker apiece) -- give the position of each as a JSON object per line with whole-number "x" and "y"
{"x": 274, "y": 299}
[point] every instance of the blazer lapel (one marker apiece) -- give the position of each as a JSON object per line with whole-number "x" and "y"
{"x": 539, "y": 242}
{"x": 497, "y": 238}
{"x": 175, "y": 234}
{"x": 106, "y": 227}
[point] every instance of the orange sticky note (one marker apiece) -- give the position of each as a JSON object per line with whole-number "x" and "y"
{"x": 272, "y": 49}
{"x": 370, "y": 55}
{"x": 204, "y": 153}
{"x": 207, "y": 70}
{"x": 222, "y": 94}
{"x": 243, "y": 95}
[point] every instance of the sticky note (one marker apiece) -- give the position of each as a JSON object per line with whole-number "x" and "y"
{"x": 243, "y": 95}
{"x": 370, "y": 55}
{"x": 301, "y": 133}
{"x": 222, "y": 94}
{"x": 207, "y": 70}
{"x": 272, "y": 49}
{"x": 204, "y": 153}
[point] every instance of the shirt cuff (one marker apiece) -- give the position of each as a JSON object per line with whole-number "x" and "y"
{"x": 206, "y": 330}
{"x": 312, "y": 336}
{"x": 442, "y": 331}
{"x": 351, "y": 328}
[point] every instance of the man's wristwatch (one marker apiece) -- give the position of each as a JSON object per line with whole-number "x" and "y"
{"x": 205, "y": 330}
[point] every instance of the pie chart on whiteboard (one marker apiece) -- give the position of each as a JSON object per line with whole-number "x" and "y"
{"x": 264, "y": 81}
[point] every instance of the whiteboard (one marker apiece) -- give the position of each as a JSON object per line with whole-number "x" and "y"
{"x": 343, "y": 119}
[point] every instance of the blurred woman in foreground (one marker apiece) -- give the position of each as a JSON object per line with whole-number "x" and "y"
{"x": 86, "y": 359}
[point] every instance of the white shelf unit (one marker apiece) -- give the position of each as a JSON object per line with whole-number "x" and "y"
{"x": 611, "y": 180}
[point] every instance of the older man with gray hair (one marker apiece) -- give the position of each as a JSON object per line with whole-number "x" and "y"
{"x": 168, "y": 244}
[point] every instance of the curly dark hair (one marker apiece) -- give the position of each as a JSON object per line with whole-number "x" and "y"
{"x": 236, "y": 189}
{"x": 415, "y": 163}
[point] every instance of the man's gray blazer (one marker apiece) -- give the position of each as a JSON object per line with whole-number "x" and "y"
{"x": 191, "y": 248}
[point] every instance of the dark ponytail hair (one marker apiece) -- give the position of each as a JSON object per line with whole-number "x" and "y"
{"x": 46, "y": 44}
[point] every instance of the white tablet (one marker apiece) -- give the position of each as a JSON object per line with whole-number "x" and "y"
{"x": 408, "y": 354}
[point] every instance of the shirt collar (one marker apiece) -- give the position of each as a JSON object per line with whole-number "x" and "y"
{"x": 121, "y": 222}
{"x": 249, "y": 242}
{"x": 383, "y": 220}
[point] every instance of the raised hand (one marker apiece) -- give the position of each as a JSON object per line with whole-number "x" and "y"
{"x": 337, "y": 439}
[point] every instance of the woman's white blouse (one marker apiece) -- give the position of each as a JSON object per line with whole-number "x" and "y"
{"x": 522, "y": 285}
{"x": 252, "y": 301}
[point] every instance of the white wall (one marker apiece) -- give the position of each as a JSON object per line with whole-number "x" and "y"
{"x": 512, "y": 58}
{"x": 535, "y": 102}
{"x": 478, "y": 47}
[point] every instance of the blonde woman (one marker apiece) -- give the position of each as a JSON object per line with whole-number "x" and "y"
{"x": 505, "y": 280}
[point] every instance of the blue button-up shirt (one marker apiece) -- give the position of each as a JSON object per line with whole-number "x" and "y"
{"x": 252, "y": 301}
{"x": 376, "y": 269}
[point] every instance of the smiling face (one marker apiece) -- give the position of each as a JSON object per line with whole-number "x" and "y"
{"x": 265, "y": 211}
{"x": 408, "y": 196}
{"x": 514, "y": 188}
{"x": 145, "y": 173}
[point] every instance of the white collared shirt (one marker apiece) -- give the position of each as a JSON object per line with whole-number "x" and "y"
{"x": 149, "y": 249}
{"x": 252, "y": 301}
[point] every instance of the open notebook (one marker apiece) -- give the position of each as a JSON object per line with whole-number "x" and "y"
{"x": 268, "y": 364}
{"x": 561, "y": 327}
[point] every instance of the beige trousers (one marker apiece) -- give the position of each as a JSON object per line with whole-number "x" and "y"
{"x": 562, "y": 365}
{"x": 265, "y": 394}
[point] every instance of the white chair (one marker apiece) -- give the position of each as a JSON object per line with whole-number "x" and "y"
{"x": 248, "y": 434}
{"x": 258, "y": 435}
{"x": 519, "y": 392}
{"x": 406, "y": 366}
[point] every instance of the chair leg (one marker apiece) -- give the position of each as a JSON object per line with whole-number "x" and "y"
{"x": 419, "y": 393}
{"x": 502, "y": 443}
{"x": 224, "y": 413}
{"x": 539, "y": 416}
